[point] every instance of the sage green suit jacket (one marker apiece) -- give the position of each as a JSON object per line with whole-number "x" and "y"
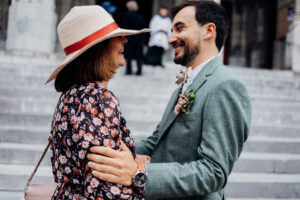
{"x": 193, "y": 154}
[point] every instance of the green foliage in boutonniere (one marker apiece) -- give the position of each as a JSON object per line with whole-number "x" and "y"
{"x": 184, "y": 102}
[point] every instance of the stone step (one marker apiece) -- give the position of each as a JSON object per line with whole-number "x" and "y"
{"x": 147, "y": 110}
{"x": 263, "y": 185}
{"x": 263, "y": 73}
{"x": 272, "y": 144}
{"x": 123, "y": 82}
{"x": 136, "y": 119}
{"x": 43, "y": 72}
{"x": 24, "y": 134}
{"x": 268, "y": 161}
{"x": 6, "y": 195}
{"x": 30, "y": 76}
{"x": 20, "y": 196}
{"x": 276, "y": 96}
{"x": 283, "y": 80}
{"x": 247, "y": 185}
{"x": 129, "y": 106}
{"x": 252, "y": 162}
{"x": 14, "y": 177}
{"x": 35, "y": 130}
{"x": 37, "y": 60}
{"x": 40, "y": 95}
{"x": 39, "y": 134}
{"x": 275, "y": 106}
{"x": 138, "y": 104}
{"x": 23, "y": 154}
{"x": 230, "y": 198}
{"x": 242, "y": 72}
{"x": 274, "y": 130}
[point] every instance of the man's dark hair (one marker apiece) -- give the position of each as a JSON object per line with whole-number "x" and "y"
{"x": 207, "y": 12}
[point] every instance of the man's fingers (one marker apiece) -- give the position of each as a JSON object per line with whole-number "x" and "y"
{"x": 124, "y": 147}
{"x": 103, "y": 160}
{"x": 105, "y": 177}
{"x": 103, "y": 168}
{"x": 106, "y": 151}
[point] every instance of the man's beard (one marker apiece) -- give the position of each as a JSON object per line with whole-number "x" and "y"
{"x": 189, "y": 54}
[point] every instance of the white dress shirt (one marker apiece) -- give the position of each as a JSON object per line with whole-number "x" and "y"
{"x": 195, "y": 72}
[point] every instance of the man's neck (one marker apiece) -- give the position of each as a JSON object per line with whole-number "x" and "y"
{"x": 202, "y": 58}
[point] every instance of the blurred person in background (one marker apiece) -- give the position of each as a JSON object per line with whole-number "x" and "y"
{"x": 161, "y": 30}
{"x": 88, "y": 113}
{"x": 134, "y": 47}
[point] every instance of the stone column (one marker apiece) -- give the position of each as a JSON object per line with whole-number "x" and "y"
{"x": 31, "y": 27}
{"x": 296, "y": 40}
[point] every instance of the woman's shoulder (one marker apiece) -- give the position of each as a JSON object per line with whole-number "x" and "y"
{"x": 96, "y": 91}
{"x": 89, "y": 89}
{"x": 90, "y": 94}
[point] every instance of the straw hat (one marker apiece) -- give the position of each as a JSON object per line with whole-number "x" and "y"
{"x": 82, "y": 28}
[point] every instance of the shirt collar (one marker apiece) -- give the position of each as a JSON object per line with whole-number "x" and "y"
{"x": 195, "y": 72}
{"x": 197, "y": 69}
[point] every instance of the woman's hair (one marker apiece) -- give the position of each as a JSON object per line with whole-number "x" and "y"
{"x": 93, "y": 65}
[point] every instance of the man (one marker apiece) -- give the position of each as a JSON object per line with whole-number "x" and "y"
{"x": 192, "y": 153}
{"x": 160, "y": 26}
{"x": 134, "y": 47}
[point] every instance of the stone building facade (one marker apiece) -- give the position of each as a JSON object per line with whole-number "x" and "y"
{"x": 260, "y": 36}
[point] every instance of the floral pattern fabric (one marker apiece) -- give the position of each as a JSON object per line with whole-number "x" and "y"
{"x": 87, "y": 115}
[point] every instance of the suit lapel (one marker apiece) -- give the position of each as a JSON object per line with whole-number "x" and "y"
{"x": 170, "y": 115}
{"x": 207, "y": 70}
{"x": 200, "y": 80}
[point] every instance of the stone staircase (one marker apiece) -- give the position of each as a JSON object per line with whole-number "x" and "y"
{"x": 269, "y": 167}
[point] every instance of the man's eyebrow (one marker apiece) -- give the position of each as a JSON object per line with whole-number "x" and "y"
{"x": 178, "y": 24}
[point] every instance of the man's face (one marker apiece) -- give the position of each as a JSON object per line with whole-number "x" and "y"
{"x": 186, "y": 36}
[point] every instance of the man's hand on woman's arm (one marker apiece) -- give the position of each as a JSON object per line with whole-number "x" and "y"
{"x": 112, "y": 165}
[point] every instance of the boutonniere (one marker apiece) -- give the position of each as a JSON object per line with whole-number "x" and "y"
{"x": 184, "y": 102}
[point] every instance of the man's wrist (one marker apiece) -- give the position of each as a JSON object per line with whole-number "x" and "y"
{"x": 139, "y": 179}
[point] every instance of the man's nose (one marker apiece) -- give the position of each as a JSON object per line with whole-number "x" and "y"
{"x": 172, "y": 39}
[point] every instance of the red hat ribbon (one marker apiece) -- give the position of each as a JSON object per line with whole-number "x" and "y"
{"x": 91, "y": 38}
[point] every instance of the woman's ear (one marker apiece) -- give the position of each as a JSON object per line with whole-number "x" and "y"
{"x": 210, "y": 31}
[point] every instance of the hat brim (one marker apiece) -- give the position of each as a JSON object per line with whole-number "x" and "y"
{"x": 72, "y": 56}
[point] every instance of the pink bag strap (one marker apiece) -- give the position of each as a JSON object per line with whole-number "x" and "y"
{"x": 37, "y": 166}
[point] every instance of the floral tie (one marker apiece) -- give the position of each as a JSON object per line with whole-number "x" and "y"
{"x": 184, "y": 76}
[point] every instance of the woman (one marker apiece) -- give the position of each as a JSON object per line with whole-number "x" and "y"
{"x": 87, "y": 113}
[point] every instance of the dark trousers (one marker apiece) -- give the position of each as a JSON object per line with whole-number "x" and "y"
{"x": 154, "y": 55}
{"x": 133, "y": 51}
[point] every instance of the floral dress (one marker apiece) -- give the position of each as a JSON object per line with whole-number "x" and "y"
{"x": 87, "y": 115}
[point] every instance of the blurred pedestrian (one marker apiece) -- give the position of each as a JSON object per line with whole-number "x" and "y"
{"x": 161, "y": 29}
{"x": 134, "y": 48}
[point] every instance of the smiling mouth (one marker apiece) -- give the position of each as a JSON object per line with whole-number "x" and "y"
{"x": 121, "y": 52}
{"x": 177, "y": 46}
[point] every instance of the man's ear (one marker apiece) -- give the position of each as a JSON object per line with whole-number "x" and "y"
{"x": 210, "y": 31}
